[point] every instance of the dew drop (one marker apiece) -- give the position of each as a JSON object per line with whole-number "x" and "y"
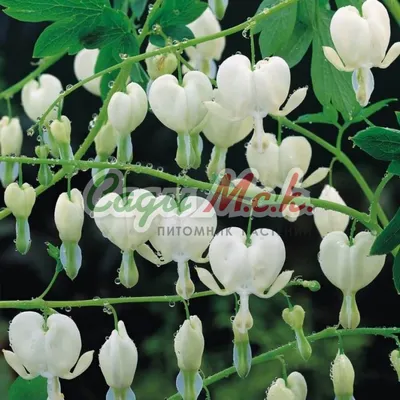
{"x": 171, "y": 304}
{"x": 68, "y": 309}
{"x": 117, "y": 281}
{"x": 110, "y": 84}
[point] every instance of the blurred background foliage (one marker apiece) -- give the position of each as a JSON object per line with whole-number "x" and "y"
{"x": 152, "y": 326}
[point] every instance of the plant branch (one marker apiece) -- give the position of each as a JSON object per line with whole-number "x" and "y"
{"x": 273, "y": 354}
{"x": 375, "y": 203}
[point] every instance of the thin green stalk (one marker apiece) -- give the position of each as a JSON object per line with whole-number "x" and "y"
{"x": 273, "y": 354}
{"x": 146, "y": 26}
{"x": 252, "y": 49}
{"x": 44, "y": 64}
{"x": 190, "y": 67}
{"x": 375, "y": 203}
{"x": 334, "y": 159}
{"x": 38, "y": 303}
{"x": 52, "y": 282}
{"x": 279, "y": 136}
{"x": 9, "y": 108}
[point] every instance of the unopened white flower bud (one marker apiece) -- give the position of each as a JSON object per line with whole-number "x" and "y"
{"x": 61, "y": 130}
{"x": 328, "y": 221}
{"x": 84, "y": 66}
{"x": 37, "y": 96}
{"x": 106, "y": 141}
{"x": 118, "y": 359}
{"x": 342, "y": 374}
{"x": 126, "y": 111}
{"x": 160, "y": 65}
{"x": 279, "y": 391}
{"x": 395, "y": 361}
{"x": 10, "y": 136}
{"x": 69, "y": 216}
{"x": 189, "y": 345}
{"x": 295, "y": 317}
{"x": 298, "y": 385}
{"x": 20, "y": 199}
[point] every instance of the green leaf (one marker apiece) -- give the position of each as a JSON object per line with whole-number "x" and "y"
{"x": 370, "y": 110}
{"x": 380, "y": 143}
{"x": 296, "y": 47}
{"x": 330, "y": 85}
{"x": 396, "y": 272}
{"x": 105, "y": 60}
{"x": 51, "y": 10}
{"x": 21, "y": 389}
{"x": 306, "y": 12}
{"x": 389, "y": 238}
{"x": 179, "y": 33}
{"x": 113, "y": 25}
{"x": 354, "y": 3}
{"x": 138, "y": 7}
{"x": 398, "y": 116}
{"x": 139, "y": 76}
{"x": 394, "y": 167}
{"x": 178, "y": 12}
{"x": 273, "y": 37}
{"x": 126, "y": 45}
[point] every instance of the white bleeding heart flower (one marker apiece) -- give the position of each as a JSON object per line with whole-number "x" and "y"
{"x": 328, "y": 221}
{"x": 295, "y": 388}
{"x": 161, "y": 64}
{"x": 106, "y": 141}
{"x": 11, "y": 136}
{"x": 203, "y": 55}
{"x": 184, "y": 233}
{"x": 46, "y": 348}
{"x": 182, "y": 109}
{"x": 129, "y": 224}
{"x": 245, "y": 92}
{"x": 342, "y": 375}
{"x": 350, "y": 268}
{"x": 361, "y": 42}
{"x": 118, "y": 358}
{"x": 279, "y": 391}
{"x": 246, "y": 269}
{"x": 37, "y": 96}
{"x": 84, "y": 67}
{"x": 285, "y": 163}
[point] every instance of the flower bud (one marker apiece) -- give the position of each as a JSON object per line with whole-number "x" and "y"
{"x": 61, "y": 130}
{"x": 160, "y": 65}
{"x": 126, "y": 111}
{"x": 342, "y": 375}
{"x": 189, "y": 345}
{"x": 242, "y": 354}
{"x": 69, "y": 216}
{"x": 295, "y": 319}
{"x": 84, "y": 66}
{"x": 37, "y": 96}
{"x": 10, "y": 136}
{"x": 298, "y": 385}
{"x": 395, "y": 361}
{"x": 279, "y": 391}
{"x": 218, "y": 7}
{"x": 328, "y": 221}
{"x": 118, "y": 359}
{"x": 105, "y": 141}
{"x": 45, "y": 174}
{"x": 20, "y": 199}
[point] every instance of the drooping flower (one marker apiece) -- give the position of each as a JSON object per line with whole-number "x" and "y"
{"x": 46, "y": 348}
{"x": 37, "y": 96}
{"x": 245, "y": 92}
{"x": 203, "y": 55}
{"x": 295, "y": 388}
{"x": 118, "y": 359}
{"x": 181, "y": 108}
{"x": 184, "y": 233}
{"x": 361, "y": 42}
{"x": 84, "y": 67}
{"x": 160, "y": 65}
{"x": 328, "y": 221}
{"x": 343, "y": 375}
{"x": 350, "y": 268}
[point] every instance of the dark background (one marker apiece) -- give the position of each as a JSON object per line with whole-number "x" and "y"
{"x": 152, "y": 326}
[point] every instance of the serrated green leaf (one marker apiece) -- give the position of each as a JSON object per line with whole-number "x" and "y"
{"x": 53, "y": 251}
{"x": 179, "y": 33}
{"x": 138, "y": 7}
{"x": 389, "y": 238}
{"x": 21, "y": 389}
{"x": 371, "y": 110}
{"x": 394, "y": 167}
{"x": 178, "y": 12}
{"x": 297, "y": 45}
{"x": 51, "y": 10}
{"x": 273, "y": 37}
{"x": 396, "y": 272}
{"x": 380, "y": 143}
{"x": 330, "y": 85}
{"x": 112, "y": 25}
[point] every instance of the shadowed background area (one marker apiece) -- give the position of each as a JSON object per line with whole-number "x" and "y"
{"x": 152, "y": 326}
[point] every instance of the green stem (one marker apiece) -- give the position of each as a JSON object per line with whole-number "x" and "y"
{"x": 334, "y": 159}
{"x": 279, "y": 136}
{"x": 45, "y": 63}
{"x": 252, "y": 49}
{"x": 190, "y": 67}
{"x": 39, "y": 303}
{"x": 375, "y": 203}
{"x": 9, "y": 108}
{"x": 273, "y": 354}
{"x": 146, "y": 26}
{"x": 52, "y": 282}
